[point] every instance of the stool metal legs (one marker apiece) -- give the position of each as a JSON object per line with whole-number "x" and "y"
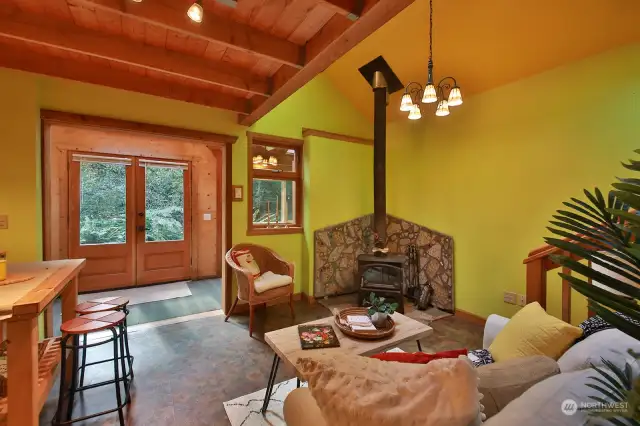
{"x": 118, "y": 339}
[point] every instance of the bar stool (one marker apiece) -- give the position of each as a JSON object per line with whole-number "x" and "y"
{"x": 105, "y": 304}
{"x": 79, "y": 326}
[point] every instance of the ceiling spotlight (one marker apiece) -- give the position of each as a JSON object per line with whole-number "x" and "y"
{"x": 196, "y": 12}
{"x": 137, "y": 1}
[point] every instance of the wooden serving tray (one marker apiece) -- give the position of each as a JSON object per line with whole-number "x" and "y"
{"x": 381, "y": 333}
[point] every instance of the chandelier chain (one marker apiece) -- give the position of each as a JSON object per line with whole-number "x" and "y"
{"x": 430, "y": 30}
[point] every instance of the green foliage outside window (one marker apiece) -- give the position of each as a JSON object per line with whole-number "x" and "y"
{"x": 103, "y": 203}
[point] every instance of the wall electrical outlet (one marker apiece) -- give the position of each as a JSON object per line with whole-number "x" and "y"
{"x": 522, "y": 300}
{"x": 510, "y": 297}
{"x": 4, "y": 222}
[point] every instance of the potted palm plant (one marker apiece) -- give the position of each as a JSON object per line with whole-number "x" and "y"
{"x": 605, "y": 230}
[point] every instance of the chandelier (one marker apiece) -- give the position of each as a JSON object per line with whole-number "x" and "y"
{"x": 414, "y": 93}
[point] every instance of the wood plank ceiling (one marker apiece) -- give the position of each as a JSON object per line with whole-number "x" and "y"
{"x": 245, "y": 56}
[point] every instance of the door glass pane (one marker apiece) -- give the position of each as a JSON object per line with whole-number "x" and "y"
{"x": 273, "y": 202}
{"x": 164, "y": 203}
{"x": 103, "y": 203}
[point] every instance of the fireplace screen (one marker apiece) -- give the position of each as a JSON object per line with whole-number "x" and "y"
{"x": 383, "y": 277}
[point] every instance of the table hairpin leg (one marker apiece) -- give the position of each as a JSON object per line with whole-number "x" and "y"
{"x": 270, "y": 383}
{"x": 298, "y": 382}
{"x": 419, "y": 346}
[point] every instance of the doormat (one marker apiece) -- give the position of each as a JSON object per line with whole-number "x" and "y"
{"x": 427, "y": 316}
{"x": 139, "y": 295}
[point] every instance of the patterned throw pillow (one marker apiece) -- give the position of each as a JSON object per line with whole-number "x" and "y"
{"x": 480, "y": 357}
{"x": 244, "y": 259}
{"x": 597, "y": 323}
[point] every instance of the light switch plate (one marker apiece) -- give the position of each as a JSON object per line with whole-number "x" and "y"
{"x": 207, "y": 216}
{"x": 4, "y": 221}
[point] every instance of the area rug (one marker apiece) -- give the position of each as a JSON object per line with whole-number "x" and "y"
{"x": 245, "y": 411}
{"x": 139, "y": 295}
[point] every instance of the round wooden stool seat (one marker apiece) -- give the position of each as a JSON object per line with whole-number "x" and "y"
{"x": 101, "y": 305}
{"x": 93, "y": 322}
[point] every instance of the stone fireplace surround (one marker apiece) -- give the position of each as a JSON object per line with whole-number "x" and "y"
{"x": 336, "y": 249}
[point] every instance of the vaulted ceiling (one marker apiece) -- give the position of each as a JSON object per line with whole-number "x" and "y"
{"x": 486, "y": 44}
{"x": 246, "y": 55}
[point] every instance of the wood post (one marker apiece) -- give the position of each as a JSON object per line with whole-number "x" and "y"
{"x": 22, "y": 362}
{"x": 537, "y": 282}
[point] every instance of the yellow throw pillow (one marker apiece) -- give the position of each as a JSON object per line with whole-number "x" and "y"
{"x": 533, "y": 332}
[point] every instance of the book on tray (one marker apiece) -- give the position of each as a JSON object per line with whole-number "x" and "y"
{"x": 360, "y": 323}
{"x": 317, "y": 336}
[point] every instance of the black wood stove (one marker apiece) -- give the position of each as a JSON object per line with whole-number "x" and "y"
{"x": 383, "y": 276}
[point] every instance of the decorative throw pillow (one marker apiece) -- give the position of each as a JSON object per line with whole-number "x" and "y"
{"x": 533, "y": 332}
{"x": 359, "y": 391}
{"x": 593, "y": 325}
{"x": 480, "y": 357}
{"x": 418, "y": 357}
{"x": 244, "y": 259}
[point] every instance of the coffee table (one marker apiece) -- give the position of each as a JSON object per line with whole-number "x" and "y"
{"x": 286, "y": 345}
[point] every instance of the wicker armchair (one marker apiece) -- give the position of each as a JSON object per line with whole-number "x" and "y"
{"x": 267, "y": 260}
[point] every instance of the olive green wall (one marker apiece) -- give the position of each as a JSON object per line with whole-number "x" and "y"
{"x": 493, "y": 172}
{"x": 339, "y": 184}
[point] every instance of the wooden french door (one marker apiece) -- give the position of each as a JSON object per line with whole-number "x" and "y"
{"x": 130, "y": 217}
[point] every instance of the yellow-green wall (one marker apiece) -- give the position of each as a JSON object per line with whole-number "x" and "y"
{"x": 339, "y": 182}
{"x": 317, "y": 105}
{"x": 493, "y": 172}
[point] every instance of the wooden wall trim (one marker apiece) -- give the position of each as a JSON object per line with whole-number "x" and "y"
{"x": 279, "y": 140}
{"x": 227, "y": 281}
{"x": 468, "y": 316}
{"x": 49, "y": 117}
{"x": 337, "y": 136}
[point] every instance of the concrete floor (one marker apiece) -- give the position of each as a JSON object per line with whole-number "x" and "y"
{"x": 184, "y": 372}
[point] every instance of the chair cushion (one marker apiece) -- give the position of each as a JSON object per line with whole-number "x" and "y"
{"x": 269, "y": 280}
{"x": 244, "y": 259}
{"x": 360, "y": 391}
{"x": 503, "y": 382}
{"x": 533, "y": 332}
{"x": 300, "y": 409}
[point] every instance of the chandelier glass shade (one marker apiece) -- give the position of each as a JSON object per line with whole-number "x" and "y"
{"x": 431, "y": 93}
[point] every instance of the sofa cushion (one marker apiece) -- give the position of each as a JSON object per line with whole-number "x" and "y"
{"x": 533, "y": 332}
{"x": 269, "y": 280}
{"x": 543, "y": 403}
{"x": 611, "y": 344}
{"x": 244, "y": 259}
{"x": 359, "y": 391}
{"x": 503, "y": 382}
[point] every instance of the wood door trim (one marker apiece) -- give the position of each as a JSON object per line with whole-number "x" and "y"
{"x": 84, "y": 120}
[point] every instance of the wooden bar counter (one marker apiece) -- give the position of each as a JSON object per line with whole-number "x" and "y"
{"x": 31, "y": 365}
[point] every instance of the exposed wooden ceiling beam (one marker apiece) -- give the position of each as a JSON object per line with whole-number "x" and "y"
{"x": 17, "y": 58}
{"x": 325, "y": 50}
{"x": 212, "y": 28}
{"x": 46, "y": 31}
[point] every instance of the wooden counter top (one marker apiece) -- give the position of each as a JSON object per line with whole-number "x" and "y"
{"x": 32, "y": 297}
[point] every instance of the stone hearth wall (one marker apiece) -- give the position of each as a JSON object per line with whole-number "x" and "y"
{"x": 337, "y": 248}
